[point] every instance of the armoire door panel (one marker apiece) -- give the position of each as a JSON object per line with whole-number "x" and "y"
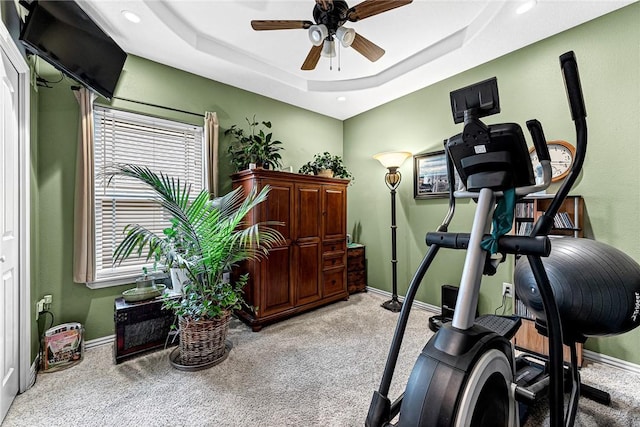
{"x": 308, "y": 209}
{"x": 307, "y": 278}
{"x": 278, "y": 206}
{"x": 334, "y": 210}
{"x": 277, "y": 294}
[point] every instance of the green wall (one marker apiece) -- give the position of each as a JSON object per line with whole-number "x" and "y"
{"x": 530, "y": 86}
{"x": 303, "y": 134}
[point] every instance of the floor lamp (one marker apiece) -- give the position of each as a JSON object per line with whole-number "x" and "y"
{"x": 392, "y": 161}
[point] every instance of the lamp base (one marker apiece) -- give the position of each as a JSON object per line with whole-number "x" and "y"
{"x": 392, "y": 305}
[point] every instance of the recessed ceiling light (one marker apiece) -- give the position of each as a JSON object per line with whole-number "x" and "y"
{"x": 130, "y": 16}
{"x": 341, "y": 98}
{"x": 525, "y": 6}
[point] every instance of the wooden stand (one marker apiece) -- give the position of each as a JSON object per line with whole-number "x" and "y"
{"x": 356, "y": 269}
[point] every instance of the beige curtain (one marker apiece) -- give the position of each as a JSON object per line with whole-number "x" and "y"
{"x": 211, "y": 142}
{"x": 84, "y": 213}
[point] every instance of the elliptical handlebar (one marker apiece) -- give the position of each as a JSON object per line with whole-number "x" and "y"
{"x": 539, "y": 141}
{"x": 572, "y": 83}
{"x": 542, "y": 227}
{"x": 571, "y": 77}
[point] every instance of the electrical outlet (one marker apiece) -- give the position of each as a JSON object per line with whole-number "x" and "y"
{"x": 39, "y": 308}
{"x": 48, "y": 299}
{"x": 507, "y": 290}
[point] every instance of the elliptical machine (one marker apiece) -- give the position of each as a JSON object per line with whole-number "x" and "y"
{"x": 464, "y": 376}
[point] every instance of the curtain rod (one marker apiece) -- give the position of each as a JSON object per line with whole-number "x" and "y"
{"x": 157, "y": 106}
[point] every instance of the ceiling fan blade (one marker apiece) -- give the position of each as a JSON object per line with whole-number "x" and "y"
{"x": 325, "y": 4}
{"x": 373, "y": 7}
{"x": 280, "y": 25}
{"x": 367, "y": 48}
{"x": 312, "y": 58}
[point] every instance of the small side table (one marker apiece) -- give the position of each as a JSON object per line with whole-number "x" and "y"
{"x": 356, "y": 268}
{"x": 140, "y": 327}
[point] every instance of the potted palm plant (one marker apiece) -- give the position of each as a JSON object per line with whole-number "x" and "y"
{"x": 207, "y": 238}
{"x": 255, "y": 147}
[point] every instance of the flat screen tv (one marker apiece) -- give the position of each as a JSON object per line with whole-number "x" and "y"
{"x": 61, "y": 33}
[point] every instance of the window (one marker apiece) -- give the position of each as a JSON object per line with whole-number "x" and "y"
{"x": 173, "y": 148}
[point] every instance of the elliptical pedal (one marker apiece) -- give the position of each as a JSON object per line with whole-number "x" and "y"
{"x": 505, "y": 326}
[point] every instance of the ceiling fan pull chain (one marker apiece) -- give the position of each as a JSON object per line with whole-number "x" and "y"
{"x": 339, "y": 57}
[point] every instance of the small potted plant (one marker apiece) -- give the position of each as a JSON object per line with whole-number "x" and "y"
{"x": 326, "y": 164}
{"x": 255, "y": 147}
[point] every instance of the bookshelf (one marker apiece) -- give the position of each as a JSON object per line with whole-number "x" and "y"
{"x": 568, "y": 223}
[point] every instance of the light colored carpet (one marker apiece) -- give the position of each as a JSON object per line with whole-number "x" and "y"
{"x": 316, "y": 369}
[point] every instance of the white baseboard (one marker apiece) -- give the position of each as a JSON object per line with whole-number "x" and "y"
{"x": 99, "y": 341}
{"x": 33, "y": 371}
{"x": 587, "y": 354}
{"x": 608, "y": 360}
{"x": 418, "y": 304}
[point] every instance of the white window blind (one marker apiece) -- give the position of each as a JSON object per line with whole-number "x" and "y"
{"x": 173, "y": 148}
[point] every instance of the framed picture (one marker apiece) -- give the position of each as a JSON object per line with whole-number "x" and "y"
{"x": 430, "y": 176}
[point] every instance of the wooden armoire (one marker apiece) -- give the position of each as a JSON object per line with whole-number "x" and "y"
{"x": 309, "y": 269}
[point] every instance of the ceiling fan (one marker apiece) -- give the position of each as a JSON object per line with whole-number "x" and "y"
{"x": 329, "y": 17}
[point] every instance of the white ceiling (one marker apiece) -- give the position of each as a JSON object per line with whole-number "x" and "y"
{"x": 425, "y": 42}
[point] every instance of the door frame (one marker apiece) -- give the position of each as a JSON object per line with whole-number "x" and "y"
{"x": 7, "y": 44}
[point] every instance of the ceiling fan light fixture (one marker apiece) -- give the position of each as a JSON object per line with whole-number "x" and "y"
{"x": 329, "y": 49}
{"x": 346, "y": 36}
{"x": 317, "y": 34}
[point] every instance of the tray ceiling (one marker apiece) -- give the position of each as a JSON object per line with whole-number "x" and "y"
{"x": 425, "y": 42}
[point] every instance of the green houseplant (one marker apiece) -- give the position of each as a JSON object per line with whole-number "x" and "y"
{"x": 326, "y": 162}
{"x": 206, "y": 238}
{"x": 255, "y": 146}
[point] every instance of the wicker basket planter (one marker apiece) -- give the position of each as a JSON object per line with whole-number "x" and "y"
{"x": 202, "y": 342}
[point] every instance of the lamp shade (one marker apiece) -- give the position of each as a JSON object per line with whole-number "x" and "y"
{"x": 392, "y": 159}
{"x": 317, "y": 34}
{"x": 328, "y": 49}
{"x": 346, "y": 36}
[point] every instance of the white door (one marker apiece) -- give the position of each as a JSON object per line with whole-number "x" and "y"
{"x": 9, "y": 236}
